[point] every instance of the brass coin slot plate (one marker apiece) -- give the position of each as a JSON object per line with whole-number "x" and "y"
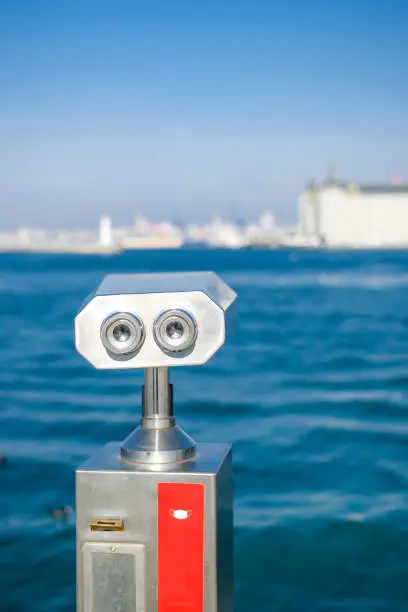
{"x": 106, "y": 524}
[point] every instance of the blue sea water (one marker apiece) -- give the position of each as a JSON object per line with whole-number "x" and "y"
{"x": 312, "y": 390}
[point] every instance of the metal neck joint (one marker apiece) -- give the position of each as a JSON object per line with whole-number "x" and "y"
{"x": 157, "y": 440}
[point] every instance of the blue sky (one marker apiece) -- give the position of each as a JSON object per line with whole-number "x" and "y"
{"x": 191, "y": 108}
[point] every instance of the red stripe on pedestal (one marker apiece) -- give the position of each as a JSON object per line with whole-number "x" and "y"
{"x": 180, "y": 547}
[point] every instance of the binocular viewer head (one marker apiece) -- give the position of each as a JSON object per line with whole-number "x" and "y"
{"x": 154, "y": 320}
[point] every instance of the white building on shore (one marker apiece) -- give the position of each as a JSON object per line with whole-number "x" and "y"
{"x": 341, "y": 214}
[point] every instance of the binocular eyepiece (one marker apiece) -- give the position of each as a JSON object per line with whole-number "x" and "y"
{"x": 123, "y": 333}
{"x": 175, "y": 331}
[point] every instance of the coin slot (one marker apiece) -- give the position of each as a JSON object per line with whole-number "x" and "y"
{"x": 105, "y": 524}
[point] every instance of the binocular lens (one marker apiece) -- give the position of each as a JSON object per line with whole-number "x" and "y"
{"x": 122, "y": 334}
{"x": 175, "y": 331}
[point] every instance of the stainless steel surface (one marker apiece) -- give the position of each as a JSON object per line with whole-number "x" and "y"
{"x": 225, "y": 536}
{"x": 175, "y": 331}
{"x": 113, "y": 577}
{"x": 109, "y": 487}
{"x": 157, "y": 405}
{"x": 122, "y": 334}
{"x": 172, "y": 282}
{"x": 158, "y": 446}
{"x": 204, "y": 295}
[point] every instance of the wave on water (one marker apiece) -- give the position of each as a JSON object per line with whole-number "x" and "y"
{"x": 323, "y": 279}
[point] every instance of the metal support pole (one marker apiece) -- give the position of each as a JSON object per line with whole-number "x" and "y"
{"x": 157, "y": 408}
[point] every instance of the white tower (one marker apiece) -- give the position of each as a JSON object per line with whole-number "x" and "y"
{"x": 105, "y": 231}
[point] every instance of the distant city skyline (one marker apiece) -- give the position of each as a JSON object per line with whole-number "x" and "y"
{"x": 189, "y": 110}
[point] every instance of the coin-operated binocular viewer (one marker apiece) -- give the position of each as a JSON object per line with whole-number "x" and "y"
{"x": 154, "y": 512}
